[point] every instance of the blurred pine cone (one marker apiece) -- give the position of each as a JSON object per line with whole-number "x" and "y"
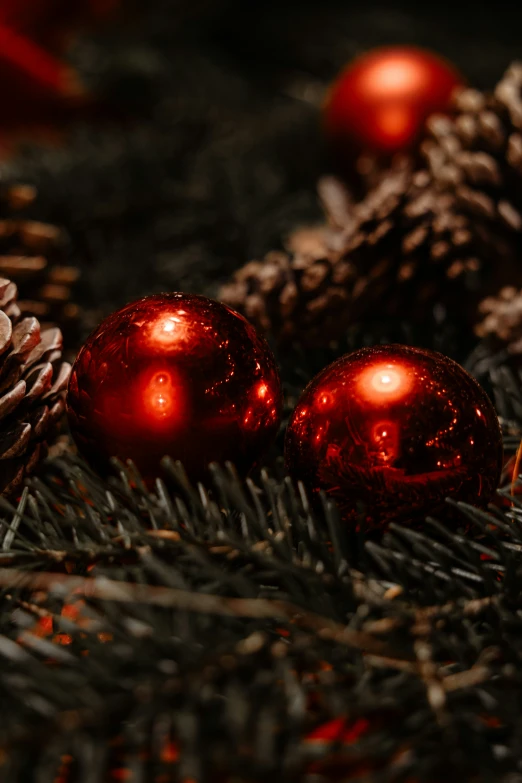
{"x": 477, "y": 158}
{"x": 32, "y": 255}
{"x": 33, "y": 380}
{"x": 502, "y": 319}
{"x": 395, "y": 249}
{"x": 438, "y": 234}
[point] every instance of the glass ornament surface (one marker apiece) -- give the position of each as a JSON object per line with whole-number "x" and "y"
{"x": 178, "y": 375}
{"x": 389, "y": 432}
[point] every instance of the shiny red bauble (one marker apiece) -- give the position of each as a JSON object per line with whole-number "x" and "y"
{"x": 389, "y": 432}
{"x": 178, "y": 375}
{"x": 381, "y": 102}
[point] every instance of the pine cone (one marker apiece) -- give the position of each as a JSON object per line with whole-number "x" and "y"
{"x": 503, "y": 319}
{"x": 476, "y": 156}
{"x": 434, "y": 234}
{"x": 32, "y": 256}
{"x": 393, "y": 249}
{"x": 33, "y": 380}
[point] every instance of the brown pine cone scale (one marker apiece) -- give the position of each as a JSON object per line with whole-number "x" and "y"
{"x": 32, "y": 254}
{"x": 33, "y": 381}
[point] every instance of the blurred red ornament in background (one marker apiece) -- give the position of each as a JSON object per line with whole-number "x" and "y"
{"x": 389, "y": 432}
{"x": 29, "y": 72}
{"x": 39, "y": 88}
{"x": 178, "y": 375}
{"x": 380, "y": 102}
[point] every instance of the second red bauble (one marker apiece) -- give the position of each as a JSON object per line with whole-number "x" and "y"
{"x": 381, "y": 102}
{"x": 389, "y": 432}
{"x": 178, "y": 375}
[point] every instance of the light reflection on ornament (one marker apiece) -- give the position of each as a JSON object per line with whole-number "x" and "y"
{"x": 396, "y": 124}
{"x": 325, "y": 399}
{"x": 262, "y": 391}
{"x": 385, "y": 435}
{"x": 385, "y": 382}
{"x": 393, "y": 76}
{"x": 320, "y": 434}
{"x": 160, "y": 398}
{"x": 169, "y": 329}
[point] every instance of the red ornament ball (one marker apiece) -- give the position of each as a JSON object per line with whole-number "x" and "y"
{"x": 178, "y": 375}
{"x": 389, "y": 432}
{"x": 381, "y": 102}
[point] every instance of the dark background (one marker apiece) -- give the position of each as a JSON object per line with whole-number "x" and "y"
{"x": 206, "y": 144}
